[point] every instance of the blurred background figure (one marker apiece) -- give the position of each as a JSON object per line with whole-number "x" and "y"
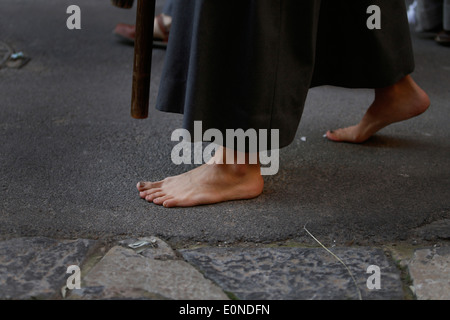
{"x": 431, "y": 16}
{"x": 163, "y": 22}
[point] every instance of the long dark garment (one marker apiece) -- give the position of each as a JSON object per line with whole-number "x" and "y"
{"x": 248, "y": 64}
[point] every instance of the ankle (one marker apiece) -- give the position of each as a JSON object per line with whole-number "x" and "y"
{"x": 238, "y": 171}
{"x": 404, "y": 90}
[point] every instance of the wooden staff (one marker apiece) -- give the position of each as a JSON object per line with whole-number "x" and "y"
{"x": 143, "y": 47}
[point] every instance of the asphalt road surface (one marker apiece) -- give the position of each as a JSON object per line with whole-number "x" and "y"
{"x": 71, "y": 155}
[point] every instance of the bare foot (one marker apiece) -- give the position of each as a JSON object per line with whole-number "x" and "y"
{"x": 162, "y": 24}
{"x": 400, "y": 102}
{"x": 161, "y": 28}
{"x": 207, "y": 184}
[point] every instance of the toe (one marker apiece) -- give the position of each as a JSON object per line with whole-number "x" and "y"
{"x": 331, "y": 135}
{"x": 149, "y": 192}
{"x": 352, "y": 134}
{"x": 150, "y": 196}
{"x": 162, "y": 199}
{"x": 170, "y": 203}
{"x": 143, "y": 186}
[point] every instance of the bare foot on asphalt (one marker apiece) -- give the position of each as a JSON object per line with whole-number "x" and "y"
{"x": 207, "y": 184}
{"x": 400, "y": 102}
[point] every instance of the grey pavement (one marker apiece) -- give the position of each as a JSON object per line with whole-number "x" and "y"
{"x": 71, "y": 156}
{"x": 149, "y": 268}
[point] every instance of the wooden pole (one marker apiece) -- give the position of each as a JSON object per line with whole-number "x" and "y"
{"x": 143, "y": 47}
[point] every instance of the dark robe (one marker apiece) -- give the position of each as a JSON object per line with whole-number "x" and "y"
{"x": 248, "y": 64}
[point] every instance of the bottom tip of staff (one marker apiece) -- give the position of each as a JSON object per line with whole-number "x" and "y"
{"x": 139, "y": 117}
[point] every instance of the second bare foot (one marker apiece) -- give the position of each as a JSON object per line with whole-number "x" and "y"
{"x": 400, "y": 102}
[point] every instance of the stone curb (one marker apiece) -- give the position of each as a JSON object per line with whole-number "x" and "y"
{"x": 148, "y": 268}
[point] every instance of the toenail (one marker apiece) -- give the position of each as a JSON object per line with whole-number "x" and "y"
{"x": 141, "y": 184}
